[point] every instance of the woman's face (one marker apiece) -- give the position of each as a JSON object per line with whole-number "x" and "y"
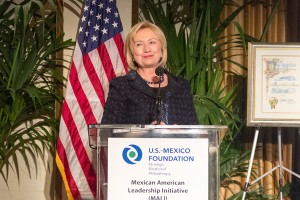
{"x": 146, "y": 49}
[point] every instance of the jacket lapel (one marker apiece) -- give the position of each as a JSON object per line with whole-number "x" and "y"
{"x": 173, "y": 86}
{"x": 139, "y": 84}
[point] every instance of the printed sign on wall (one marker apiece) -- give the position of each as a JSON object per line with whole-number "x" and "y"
{"x": 273, "y": 85}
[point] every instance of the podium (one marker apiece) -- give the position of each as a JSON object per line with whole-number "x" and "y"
{"x": 156, "y": 162}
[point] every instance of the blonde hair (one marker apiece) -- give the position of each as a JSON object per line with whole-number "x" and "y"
{"x": 129, "y": 41}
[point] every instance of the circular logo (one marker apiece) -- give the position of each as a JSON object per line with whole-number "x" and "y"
{"x": 132, "y": 154}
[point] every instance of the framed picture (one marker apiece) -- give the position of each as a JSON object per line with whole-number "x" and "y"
{"x": 273, "y": 85}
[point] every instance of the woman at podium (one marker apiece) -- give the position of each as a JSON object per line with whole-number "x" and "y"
{"x": 148, "y": 94}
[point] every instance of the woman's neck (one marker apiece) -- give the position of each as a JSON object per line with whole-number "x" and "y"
{"x": 151, "y": 78}
{"x": 147, "y": 74}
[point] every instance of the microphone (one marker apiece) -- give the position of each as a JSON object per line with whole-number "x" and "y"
{"x": 159, "y": 71}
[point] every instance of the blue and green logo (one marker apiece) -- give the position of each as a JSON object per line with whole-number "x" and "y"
{"x": 132, "y": 154}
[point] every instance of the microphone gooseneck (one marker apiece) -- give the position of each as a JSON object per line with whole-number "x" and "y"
{"x": 159, "y": 71}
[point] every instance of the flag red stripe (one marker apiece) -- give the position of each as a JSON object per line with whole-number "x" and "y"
{"x": 81, "y": 96}
{"x": 94, "y": 79}
{"x": 120, "y": 45}
{"x": 103, "y": 169}
{"x": 103, "y": 156}
{"x": 63, "y": 158}
{"x": 84, "y": 105}
{"x": 80, "y": 149}
{"x": 107, "y": 65}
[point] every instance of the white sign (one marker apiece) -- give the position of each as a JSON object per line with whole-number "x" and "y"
{"x": 273, "y": 85}
{"x": 157, "y": 168}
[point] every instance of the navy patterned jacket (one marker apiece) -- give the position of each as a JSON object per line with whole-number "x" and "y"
{"x": 131, "y": 101}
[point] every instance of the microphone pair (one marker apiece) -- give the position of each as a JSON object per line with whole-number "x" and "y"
{"x": 159, "y": 71}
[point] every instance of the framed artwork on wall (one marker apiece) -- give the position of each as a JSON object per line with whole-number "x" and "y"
{"x": 273, "y": 96}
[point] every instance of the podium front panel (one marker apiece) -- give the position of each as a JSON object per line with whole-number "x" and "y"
{"x": 156, "y": 162}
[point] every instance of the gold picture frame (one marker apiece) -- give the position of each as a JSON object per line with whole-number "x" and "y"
{"x": 273, "y": 90}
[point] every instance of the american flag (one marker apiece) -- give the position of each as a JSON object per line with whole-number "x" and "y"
{"x": 98, "y": 57}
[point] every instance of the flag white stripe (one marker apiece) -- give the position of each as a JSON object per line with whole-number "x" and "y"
{"x": 80, "y": 123}
{"x": 115, "y": 57}
{"x": 97, "y": 63}
{"x": 86, "y": 84}
{"x": 74, "y": 165}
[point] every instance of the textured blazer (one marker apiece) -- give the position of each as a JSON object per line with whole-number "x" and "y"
{"x": 131, "y": 101}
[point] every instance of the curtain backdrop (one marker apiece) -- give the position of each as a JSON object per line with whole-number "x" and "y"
{"x": 284, "y": 28}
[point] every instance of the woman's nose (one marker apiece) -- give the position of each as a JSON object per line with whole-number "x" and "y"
{"x": 146, "y": 48}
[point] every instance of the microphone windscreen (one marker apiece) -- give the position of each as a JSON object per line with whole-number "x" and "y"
{"x": 159, "y": 71}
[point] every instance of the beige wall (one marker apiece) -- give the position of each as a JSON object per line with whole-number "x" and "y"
{"x": 35, "y": 188}
{"x": 39, "y": 187}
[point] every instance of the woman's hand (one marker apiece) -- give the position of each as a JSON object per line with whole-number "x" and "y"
{"x": 155, "y": 123}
